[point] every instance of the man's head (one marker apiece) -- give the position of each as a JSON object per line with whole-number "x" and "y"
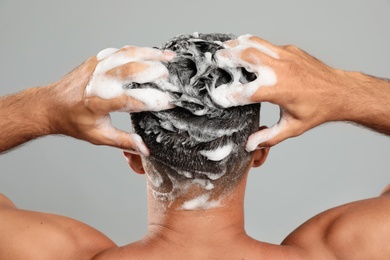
{"x": 197, "y": 148}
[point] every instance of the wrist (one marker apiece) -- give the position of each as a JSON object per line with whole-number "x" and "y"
{"x": 24, "y": 116}
{"x": 42, "y": 109}
{"x": 346, "y": 89}
{"x": 363, "y": 95}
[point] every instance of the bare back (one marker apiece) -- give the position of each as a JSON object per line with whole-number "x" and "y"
{"x": 358, "y": 230}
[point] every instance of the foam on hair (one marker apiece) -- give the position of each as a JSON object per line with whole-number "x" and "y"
{"x": 198, "y": 142}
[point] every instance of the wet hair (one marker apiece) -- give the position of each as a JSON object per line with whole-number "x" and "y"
{"x": 198, "y": 140}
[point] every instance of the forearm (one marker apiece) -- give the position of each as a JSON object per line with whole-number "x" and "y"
{"x": 23, "y": 117}
{"x": 368, "y": 102}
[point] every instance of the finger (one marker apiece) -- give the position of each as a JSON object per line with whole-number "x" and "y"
{"x": 140, "y": 72}
{"x": 230, "y": 58}
{"x": 261, "y": 89}
{"x": 266, "y": 138}
{"x": 241, "y": 56}
{"x": 110, "y": 84}
{"x": 236, "y": 93}
{"x": 271, "y": 136}
{"x": 260, "y": 44}
{"x": 144, "y": 72}
{"x": 147, "y": 99}
{"x": 146, "y": 53}
{"x": 108, "y": 135}
{"x": 105, "y": 53}
{"x": 230, "y": 43}
{"x": 109, "y": 58}
{"x": 257, "y": 57}
{"x": 132, "y": 100}
{"x": 104, "y": 106}
{"x": 254, "y": 41}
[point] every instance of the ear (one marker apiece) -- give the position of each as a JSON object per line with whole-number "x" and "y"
{"x": 259, "y": 156}
{"x": 135, "y": 162}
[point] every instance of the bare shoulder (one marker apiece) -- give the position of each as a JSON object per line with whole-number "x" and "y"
{"x": 35, "y": 235}
{"x": 5, "y": 202}
{"x": 358, "y": 230}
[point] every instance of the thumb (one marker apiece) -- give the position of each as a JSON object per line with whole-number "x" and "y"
{"x": 114, "y": 137}
{"x": 131, "y": 143}
{"x": 270, "y": 136}
{"x": 264, "y": 138}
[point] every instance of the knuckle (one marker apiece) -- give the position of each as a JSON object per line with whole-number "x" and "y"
{"x": 253, "y": 38}
{"x": 291, "y": 49}
{"x": 129, "y": 48}
{"x": 90, "y": 103}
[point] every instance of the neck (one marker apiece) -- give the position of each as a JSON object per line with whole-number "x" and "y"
{"x": 217, "y": 226}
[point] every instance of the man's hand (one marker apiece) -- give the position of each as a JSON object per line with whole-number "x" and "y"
{"x": 79, "y": 104}
{"x": 308, "y": 92}
{"x": 86, "y": 96}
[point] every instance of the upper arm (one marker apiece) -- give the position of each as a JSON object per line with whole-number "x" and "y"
{"x": 358, "y": 230}
{"x": 362, "y": 231}
{"x": 35, "y": 235}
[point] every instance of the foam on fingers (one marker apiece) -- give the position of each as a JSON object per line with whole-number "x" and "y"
{"x": 264, "y": 135}
{"x": 150, "y": 99}
{"x": 109, "y": 135}
{"x": 105, "y": 53}
{"x": 153, "y": 71}
{"x": 247, "y": 41}
{"x": 116, "y": 69}
{"x": 236, "y": 93}
{"x": 138, "y": 144}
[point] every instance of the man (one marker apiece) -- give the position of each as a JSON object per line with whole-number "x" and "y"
{"x": 209, "y": 227}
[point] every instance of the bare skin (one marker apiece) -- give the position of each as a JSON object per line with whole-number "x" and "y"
{"x": 359, "y": 230}
{"x": 36, "y": 235}
{"x": 310, "y": 92}
{"x": 64, "y": 108}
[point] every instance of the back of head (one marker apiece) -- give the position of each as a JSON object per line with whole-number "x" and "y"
{"x": 197, "y": 146}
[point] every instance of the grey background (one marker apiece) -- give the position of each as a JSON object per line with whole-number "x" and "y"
{"x": 40, "y": 41}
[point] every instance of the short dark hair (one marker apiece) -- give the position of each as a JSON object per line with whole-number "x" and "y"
{"x": 184, "y": 141}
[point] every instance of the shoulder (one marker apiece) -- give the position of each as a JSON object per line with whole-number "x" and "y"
{"x": 6, "y": 202}
{"x": 358, "y": 230}
{"x": 35, "y": 235}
